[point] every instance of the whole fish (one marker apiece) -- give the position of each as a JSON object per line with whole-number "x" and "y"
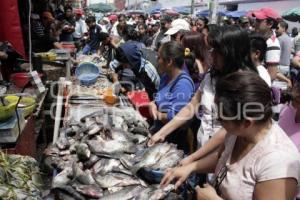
{"x": 115, "y": 180}
{"x": 125, "y": 194}
{"x": 84, "y": 177}
{"x": 152, "y": 156}
{"x": 101, "y": 146}
{"x": 63, "y": 178}
{"x": 83, "y": 152}
{"x": 161, "y": 193}
{"x": 66, "y": 191}
{"x": 91, "y": 191}
{"x": 105, "y": 166}
{"x": 169, "y": 160}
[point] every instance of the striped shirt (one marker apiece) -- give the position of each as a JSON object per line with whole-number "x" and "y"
{"x": 273, "y": 50}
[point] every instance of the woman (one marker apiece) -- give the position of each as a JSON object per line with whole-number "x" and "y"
{"x": 289, "y": 118}
{"x": 195, "y": 43}
{"x": 175, "y": 92}
{"x": 230, "y": 53}
{"x": 258, "y": 160}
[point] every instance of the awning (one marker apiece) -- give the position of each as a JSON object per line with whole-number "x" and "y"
{"x": 10, "y": 25}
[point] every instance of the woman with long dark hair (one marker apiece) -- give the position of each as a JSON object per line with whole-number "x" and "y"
{"x": 197, "y": 55}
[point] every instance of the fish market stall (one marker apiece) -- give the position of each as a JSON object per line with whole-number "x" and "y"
{"x": 100, "y": 151}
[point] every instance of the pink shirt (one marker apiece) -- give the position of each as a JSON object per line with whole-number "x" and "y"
{"x": 274, "y": 157}
{"x": 288, "y": 124}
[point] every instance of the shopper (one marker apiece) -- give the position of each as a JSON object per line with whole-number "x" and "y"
{"x": 174, "y": 94}
{"x": 230, "y": 49}
{"x": 94, "y": 36}
{"x": 258, "y": 158}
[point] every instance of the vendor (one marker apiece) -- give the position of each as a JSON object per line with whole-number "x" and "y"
{"x": 174, "y": 94}
{"x": 94, "y": 36}
{"x": 133, "y": 68}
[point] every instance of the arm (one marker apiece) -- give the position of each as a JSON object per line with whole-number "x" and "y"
{"x": 272, "y": 69}
{"x": 277, "y": 189}
{"x": 208, "y": 147}
{"x": 283, "y": 78}
{"x": 181, "y": 118}
{"x": 296, "y": 62}
{"x": 180, "y": 174}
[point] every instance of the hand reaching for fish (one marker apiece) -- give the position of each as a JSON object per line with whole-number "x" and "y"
{"x": 178, "y": 174}
{"x": 156, "y": 138}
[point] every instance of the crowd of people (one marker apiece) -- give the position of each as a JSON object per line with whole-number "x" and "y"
{"x": 211, "y": 91}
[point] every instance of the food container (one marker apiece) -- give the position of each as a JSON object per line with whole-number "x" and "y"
{"x": 87, "y": 73}
{"x": 21, "y": 79}
{"x": 6, "y": 111}
{"x": 110, "y": 97}
{"x": 27, "y": 104}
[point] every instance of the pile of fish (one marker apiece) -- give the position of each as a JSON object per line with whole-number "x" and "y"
{"x": 99, "y": 157}
{"x": 19, "y": 178}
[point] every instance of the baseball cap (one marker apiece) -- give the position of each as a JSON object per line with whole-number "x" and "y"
{"x": 177, "y": 25}
{"x": 113, "y": 18}
{"x": 265, "y": 13}
{"x": 47, "y": 15}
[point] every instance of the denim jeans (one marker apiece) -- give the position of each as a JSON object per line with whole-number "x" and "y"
{"x": 88, "y": 50}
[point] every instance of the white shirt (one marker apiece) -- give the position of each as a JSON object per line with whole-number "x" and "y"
{"x": 209, "y": 123}
{"x": 263, "y": 73}
{"x": 80, "y": 29}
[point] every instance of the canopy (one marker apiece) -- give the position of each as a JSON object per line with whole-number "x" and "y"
{"x": 206, "y": 13}
{"x": 102, "y": 7}
{"x": 182, "y": 10}
{"x": 11, "y": 26}
{"x": 292, "y": 15}
{"x": 236, "y": 14}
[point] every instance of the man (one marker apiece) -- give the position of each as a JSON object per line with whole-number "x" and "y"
{"x": 286, "y": 47}
{"x": 43, "y": 38}
{"x": 94, "y": 36}
{"x": 266, "y": 20}
{"x": 178, "y": 28}
{"x": 80, "y": 26}
{"x": 68, "y": 25}
{"x": 245, "y": 23}
{"x": 134, "y": 68}
{"x": 165, "y": 24}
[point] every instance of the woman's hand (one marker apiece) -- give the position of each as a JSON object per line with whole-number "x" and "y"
{"x": 153, "y": 110}
{"x": 207, "y": 193}
{"x": 156, "y": 138}
{"x": 178, "y": 174}
{"x": 186, "y": 161}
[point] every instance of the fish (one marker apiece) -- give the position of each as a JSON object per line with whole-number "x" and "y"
{"x": 125, "y": 194}
{"x": 169, "y": 160}
{"x": 152, "y": 155}
{"x": 115, "y": 180}
{"x": 83, "y": 152}
{"x": 91, "y": 191}
{"x": 84, "y": 177}
{"x": 161, "y": 193}
{"x": 91, "y": 162}
{"x": 63, "y": 178}
{"x": 51, "y": 151}
{"x": 120, "y": 135}
{"x": 109, "y": 147}
{"x": 68, "y": 192}
{"x": 62, "y": 142}
{"x": 104, "y": 166}
{"x": 94, "y": 129}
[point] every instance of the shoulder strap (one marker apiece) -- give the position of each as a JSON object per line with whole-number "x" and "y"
{"x": 181, "y": 76}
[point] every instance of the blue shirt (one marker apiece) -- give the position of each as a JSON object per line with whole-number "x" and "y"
{"x": 175, "y": 95}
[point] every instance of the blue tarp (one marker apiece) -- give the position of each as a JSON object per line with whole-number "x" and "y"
{"x": 236, "y": 14}
{"x": 206, "y": 13}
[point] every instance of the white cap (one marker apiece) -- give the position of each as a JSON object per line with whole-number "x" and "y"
{"x": 177, "y": 25}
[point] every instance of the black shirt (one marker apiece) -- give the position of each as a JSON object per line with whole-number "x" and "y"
{"x": 95, "y": 37}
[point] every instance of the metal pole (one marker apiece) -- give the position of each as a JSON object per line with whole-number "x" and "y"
{"x": 192, "y": 6}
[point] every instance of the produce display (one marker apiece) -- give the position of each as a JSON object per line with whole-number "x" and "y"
{"x": 19, "y": 178}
